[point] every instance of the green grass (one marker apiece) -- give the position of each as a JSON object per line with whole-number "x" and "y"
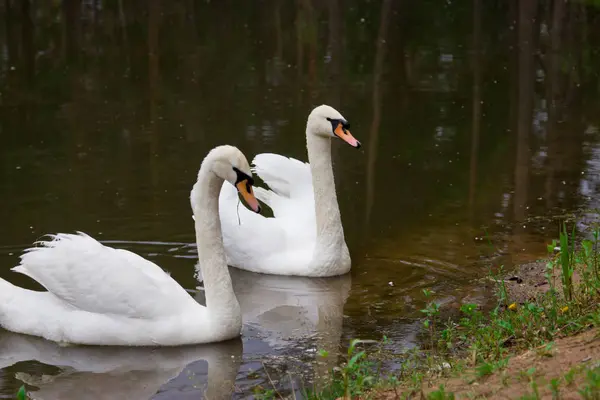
{"x": 21, "y": 394}
{"x": 483, "y": 341}
{"x": 440, "y": 394}
{"x": 591, "y": 388}
{"x": 555, "y": 388}
{"x": 356, "y": 376}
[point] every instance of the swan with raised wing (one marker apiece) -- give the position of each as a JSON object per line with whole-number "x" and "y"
{"x": 305, "y": 236}
{"x": 98, "y": 295}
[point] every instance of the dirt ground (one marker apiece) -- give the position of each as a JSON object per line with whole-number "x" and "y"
{"x": 530, "y": 279}
{"x": 582, "y": 350}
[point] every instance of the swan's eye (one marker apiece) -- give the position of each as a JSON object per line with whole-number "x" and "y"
{"x": 339, "y": 123}
{"x": 242, "y": 176}
{"x": 334, "y": 123}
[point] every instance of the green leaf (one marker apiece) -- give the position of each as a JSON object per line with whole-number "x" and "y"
{"x": 353, "y": 344}
{"x": 21, "y": 394}
{"x": 355, "y": 358}
{"x": 587, "y": 247}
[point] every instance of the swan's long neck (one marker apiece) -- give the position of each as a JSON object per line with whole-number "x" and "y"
{"x": 221, "y": 301}
{"x": 330, "y": 234}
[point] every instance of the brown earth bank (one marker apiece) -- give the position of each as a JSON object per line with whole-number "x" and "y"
{"x": 567, "y": 356}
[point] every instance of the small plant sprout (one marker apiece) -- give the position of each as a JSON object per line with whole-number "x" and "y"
{"x": 440, "y": 394}
{"x": 554, "y": 388}
{"x": 22, "y": 394}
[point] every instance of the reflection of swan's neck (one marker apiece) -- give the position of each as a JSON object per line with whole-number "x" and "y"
{"x": 221, "y": 302}
{"x": 330, "y": 234}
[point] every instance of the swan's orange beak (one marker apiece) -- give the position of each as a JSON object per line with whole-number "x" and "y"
{"x": 245, "y": 190}
{"x": 346, "y": 136}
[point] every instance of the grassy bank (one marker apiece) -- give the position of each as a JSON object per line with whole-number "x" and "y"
{"x": 539, "y": 341}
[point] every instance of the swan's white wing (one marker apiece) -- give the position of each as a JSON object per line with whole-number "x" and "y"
{"x": 99, "y": 279}
{"x": 290, "y": 182}
{"x": 243, "y": 228}
{"x": 285, "y": 176}
{"x": 257, "y": 243}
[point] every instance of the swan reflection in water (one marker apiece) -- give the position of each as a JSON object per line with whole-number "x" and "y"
{"x": 288, "y": 311}
{"x": 123, "y": 372}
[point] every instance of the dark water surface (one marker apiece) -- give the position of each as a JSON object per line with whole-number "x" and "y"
{"x": 477, "y": 119}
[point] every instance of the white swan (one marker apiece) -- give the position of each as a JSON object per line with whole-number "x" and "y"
{"x": 97, "y": 295}
{"x": 305, "y": 237}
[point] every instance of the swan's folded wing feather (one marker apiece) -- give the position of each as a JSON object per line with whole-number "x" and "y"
{"x": 96, "y": 278}
{"x": 291, "y": 181}
{"x": 285, "y": 176}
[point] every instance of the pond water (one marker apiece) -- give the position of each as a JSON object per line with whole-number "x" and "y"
{"x": 479, "y": 124}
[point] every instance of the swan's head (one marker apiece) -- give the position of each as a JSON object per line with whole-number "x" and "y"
{"x": 328, "y": 122}
{"x": 230, "y": 164}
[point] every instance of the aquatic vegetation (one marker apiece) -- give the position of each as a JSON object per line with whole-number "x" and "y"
{"x": 567, "y": 254}
{"x": 353, "y": 378}
{"x": 432, "y": 311}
